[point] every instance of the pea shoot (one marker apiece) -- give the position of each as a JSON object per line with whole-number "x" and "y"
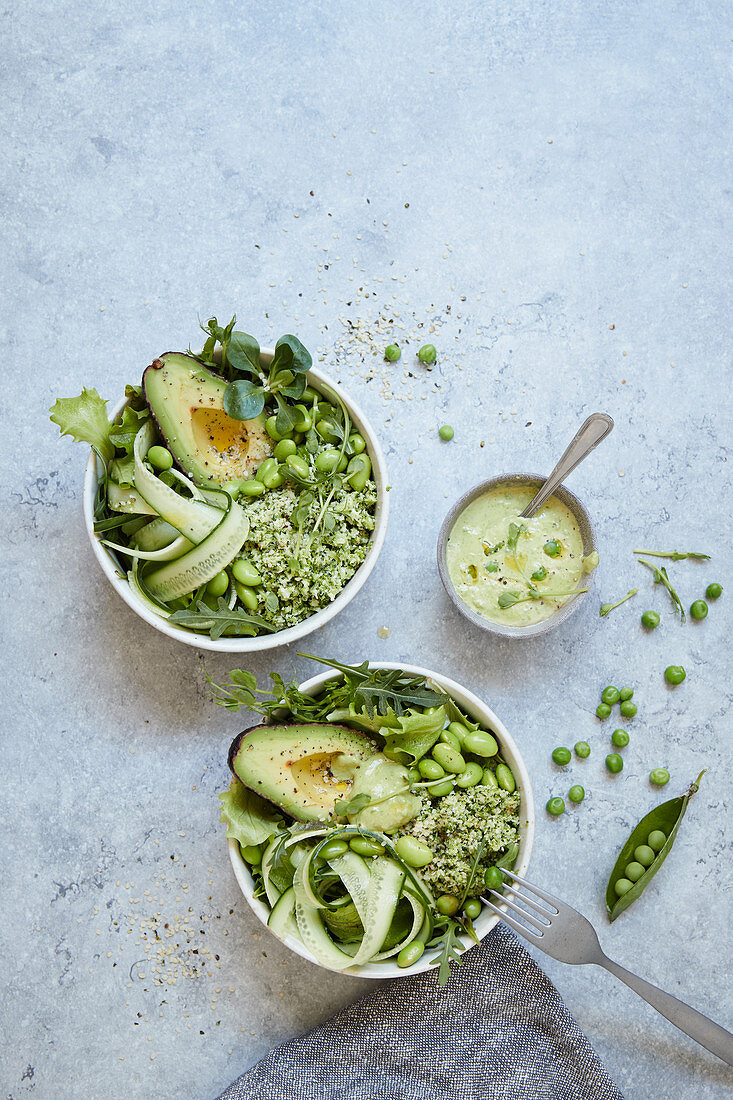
{"x": 606, "y": 607}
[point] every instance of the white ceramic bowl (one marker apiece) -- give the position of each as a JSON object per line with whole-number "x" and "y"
{"x": 112, "y": 569}
{"x": 477, "y": 710}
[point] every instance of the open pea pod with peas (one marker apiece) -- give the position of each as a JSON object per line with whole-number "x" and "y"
{"x": 645, "y": 851}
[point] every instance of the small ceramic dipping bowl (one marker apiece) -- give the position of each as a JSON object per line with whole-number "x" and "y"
{"x": 532, "y": 481}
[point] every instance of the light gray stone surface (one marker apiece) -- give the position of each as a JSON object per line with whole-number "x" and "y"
{"x": 547, "y": 184}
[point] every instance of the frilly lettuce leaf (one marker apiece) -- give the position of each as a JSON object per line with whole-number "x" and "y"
{"x": 249, "y": 818}
{"x": 85, "y": 419}
{"x": 416, "y": 735}
{"x": 122, "y": 435}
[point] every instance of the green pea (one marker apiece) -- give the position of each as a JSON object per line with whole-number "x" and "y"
{"x": 412, "y": 851}
{"x": 303, "y": 422}
{"x": 251, "y": 853}
{"x": 392, "y": 353}
{"x": 410, "y": 954}
{"x": 265, "y": 468}
{"x": 430, "y": 769}
{"x": 610, "y": 695}
{"x": 271, "y": 429}
{"x": 656, "y": 840}
{"x": 493, "y": 878}
{"x": 160, "y": 458}
{"x": 447, "y": 904}
{"x": 358, "y": 443}
{"x": 614, "y": 762}
{"x": 365, "y": 846}
{"x": 284, "y": 448}
{"x": 440, "y": 790}
{"x": 504, "y": 778}
{"x": 333, "y": 848}
{"x": 251, "y": 488}
{"x": 552, "y": 548}
{"x": 659, "y": 777}
{"x": 622, "y": 886}
{"x": 472, "y": 775}
{"x": 628, "y": 709}
{"x": 714, "y": 591}
{"x": 327, "y": 460}
{"x": 539, "y": 574}
{"x": 634, "y": 871}
{"x": 582, "y": 749}
{"x": 309, "y": 395}
{"x": 448, "y": 758}
{"x": 699, "y": 609}
{"x": 358, "y": 471}
{"x": 445, "y": 432}
{"x": 472, "y": 908}
{"x": 644, "y": 855}
{"x": 488, "y": 779}
{"x": 427, "y": 353}
{"x": 245, "y": 572}
{"x": 450, "y": 738}
{"x": 480, "y": 743}
{"x": 413, "y": 774}
{"x": 246, "y": 596}
{"x": 555, "y": 806}
{"x": 674, "y": 674}
{"x": 326, "y": 430}
{"x": 561, "y": 756}
{"x": 218, "y": 585}
{"x": 620, "y": 738}
{"x": 297, "y": 465}
{"x": 650, "y": 620}
{"x": 625, "y": 694}
{"x": 576, "y": 793}
{"x": 603, "y": 710}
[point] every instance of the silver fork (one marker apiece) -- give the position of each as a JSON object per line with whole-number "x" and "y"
{"x": 565, "y": 934}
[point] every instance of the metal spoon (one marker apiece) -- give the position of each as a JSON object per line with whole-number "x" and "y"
{"x": 586, "y": 439}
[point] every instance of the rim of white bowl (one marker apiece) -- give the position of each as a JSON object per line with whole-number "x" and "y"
{"x": 112, "y": 569}
{"x": 479, "y": 711}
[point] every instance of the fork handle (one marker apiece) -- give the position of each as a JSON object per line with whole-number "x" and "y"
{"x": 704, "y": 1031}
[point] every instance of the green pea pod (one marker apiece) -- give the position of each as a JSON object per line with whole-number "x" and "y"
{"x": 667, "y": 818}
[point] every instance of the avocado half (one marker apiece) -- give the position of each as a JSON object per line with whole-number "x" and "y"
{"x": 290, "y": 765}
{"x": 187, "y": 402}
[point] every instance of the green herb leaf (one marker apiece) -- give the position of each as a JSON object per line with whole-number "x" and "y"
{"x": 491, "y": 549}
{"x": 675, "y": 555}
{"x": 292, "y": 354}
{"x": 352, "y": 806}
{"x": 243, "y": 399}
{"x": 240, "y": 692}
{"x": 243, "y": 354}
{"x": 85, "y": 419}
{"x": 450, "y": 949}
{"x": 249, "y": 819}
{"x": 122, "y": 435}
{"x": 508, "y": 599}
{"x": 515, "y": 530}
{"x": 286, "y": 417}
{"x": 474, "y": 868}
{"x": 415, "y": 734}
{"x": 606, "y": 607}
{"x": 222, "y": 621}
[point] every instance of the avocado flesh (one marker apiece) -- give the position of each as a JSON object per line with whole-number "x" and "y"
{"x": 291, "y": 765}
{"x": 186, "y": 401}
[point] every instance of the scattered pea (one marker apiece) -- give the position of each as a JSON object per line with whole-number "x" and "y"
{"x": 610, "y": 695}
{"x": 447, "y": 905}
{"x": 218, "y": 585}
{"x": 472, "y": 908}
{"x": 625, "y": 694}
{"x": 620, "y": 738}
{"x": 413, "y": 851}
{"x": 561, "y": 756}
{"x": 505, "y": 779}
{"x": 480, "y": 743}
{"x": 427, "y": 354}
{"x": 714, "y": 591}
{"x": 445, "y": 432}
{"x": 650, "y": 620}
{"x": 582, "y": 749}
{"x": 622, "y": 886}
{"x": 430, "y": 769}
{"x": 603, "y": 711}
{"x": 493, "y": 879}
{"x": 644, "y": 855}
{"x": 333, "y": 848}
{"x": 656, "y": 840}
{"x": 555, "y": 806}
{"x": 552, "y": 548}
{"x": 448, "y": 758}
{"x": 472, "y": 775}
{"x": 410, "y": 954}
{"x": 160, "y": 458}
{"x": 245, "y": 572}
{"x": 365, "y": 846}
{"x": 392, "y": 353}
{"x": 659, "y": 777}
{"x": 634, "y": 871}
{"x": 576, "y": 793}
{"x": 674, "y": 674}
{"x": 614, "y": 762}
{"x": 628, "y": 709}
{"x": 699, "y": 609}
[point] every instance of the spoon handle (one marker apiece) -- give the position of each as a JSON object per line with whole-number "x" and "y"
{"x": 588, "y": 436}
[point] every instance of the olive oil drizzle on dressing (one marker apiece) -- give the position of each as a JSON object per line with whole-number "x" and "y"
{"x": 483, "y": 566}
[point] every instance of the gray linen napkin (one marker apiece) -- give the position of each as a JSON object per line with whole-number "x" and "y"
{"x": 499, "y": 1030}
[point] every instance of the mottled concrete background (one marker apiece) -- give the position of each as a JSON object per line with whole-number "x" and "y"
{"x": 543, "y": 189}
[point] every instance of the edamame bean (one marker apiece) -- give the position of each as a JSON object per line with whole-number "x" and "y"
{"x": 472, "y": 775}
{"x": 561, "y": 756}
{"x": 714, "y": 591}
{"x": 493, "y": 879}
{"x": 430, "y": 769}
{"x": 271, "y": 429}
{"x": 327, "y": 460}
{"x": 251, "y": 488}
{"x": 644, "y": 855}
{"x": 358, "y": 471}
{"x": 614, "y": 763}
{"x": 440, "y": 790}
{"x": 582, "y": 749}
{"x": 160, "y": 457}
{"x": 610, "y": 695}
{"x": 284, "y": 448}
{"x": 472, "y": 908}
{"x": 326, "y": 430}
{"x": 620, "y": 738}
{"x": 265, "y": 468}
{"x": 576, "y": 793}
{"x": 656, "y": 840}
{"x": 659, "y": 777}
{"x": 480, "y": 743}
{"x": 552, "y": 548}
{"x": 246, "y": 596}
{"x": 412, "y": 851}
{"x": 298, "y": 465}
{"x": 650, "y": 620}
{"x": 488, "y": 779}
{"x": 555, "y": 806}
{"x": 358, "y": 443}
{"x": 698, "y": 609}
{"x": 625, "y": 694}
{"x": 365, "y": 846}
{"x": 218, "y": 585}
{"x": 309, "y": 395}
{"x": 342, "y": 463}
{"x": 232, "y": 487}
{"x": 410, "y": 954}
{"x": 445, "y": 432}
{"x": 674, "y": 674}
{"x": 627, "y": 708}
{"x": 634, "y": 871}
{"x": 392, "y": 353}
{"x": 622, "y": 886}
{"x": 303, "y": 422}
{"x": 602, "y": 711}
{"x": 451, "y": 739}
{"x": 413, "y": 775}
{"x": 427, "y": 354}
{"x": 504, "y": 778}
{"x": 245, "y": 572}
{"x": 272, "y": 478}
{"x": 448, "y": 758}
{"x": 333, "y": 848}
{"x": 251, "y": 853}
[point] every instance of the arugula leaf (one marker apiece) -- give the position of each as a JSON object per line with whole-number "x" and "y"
{"x": 474, "y": 868}
{"x": 249, "y": 818}
{"x": 243, "y": 399}
{"x": 85, "y": 419}
{"x": 675, "y": 555}
{"x": 606, "y": 607}
{"x": 222, "y": 620}
{"x": 450, "y": 950}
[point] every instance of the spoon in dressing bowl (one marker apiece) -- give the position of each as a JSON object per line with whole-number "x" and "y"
{"x": 585, "y": 440}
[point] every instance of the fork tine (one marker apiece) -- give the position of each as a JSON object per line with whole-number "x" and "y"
{"x": 529, "y": 917}
{"x": 535, "y": 889}
{"x": 515, "y": 893}
{"x": 522, "y": 929}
